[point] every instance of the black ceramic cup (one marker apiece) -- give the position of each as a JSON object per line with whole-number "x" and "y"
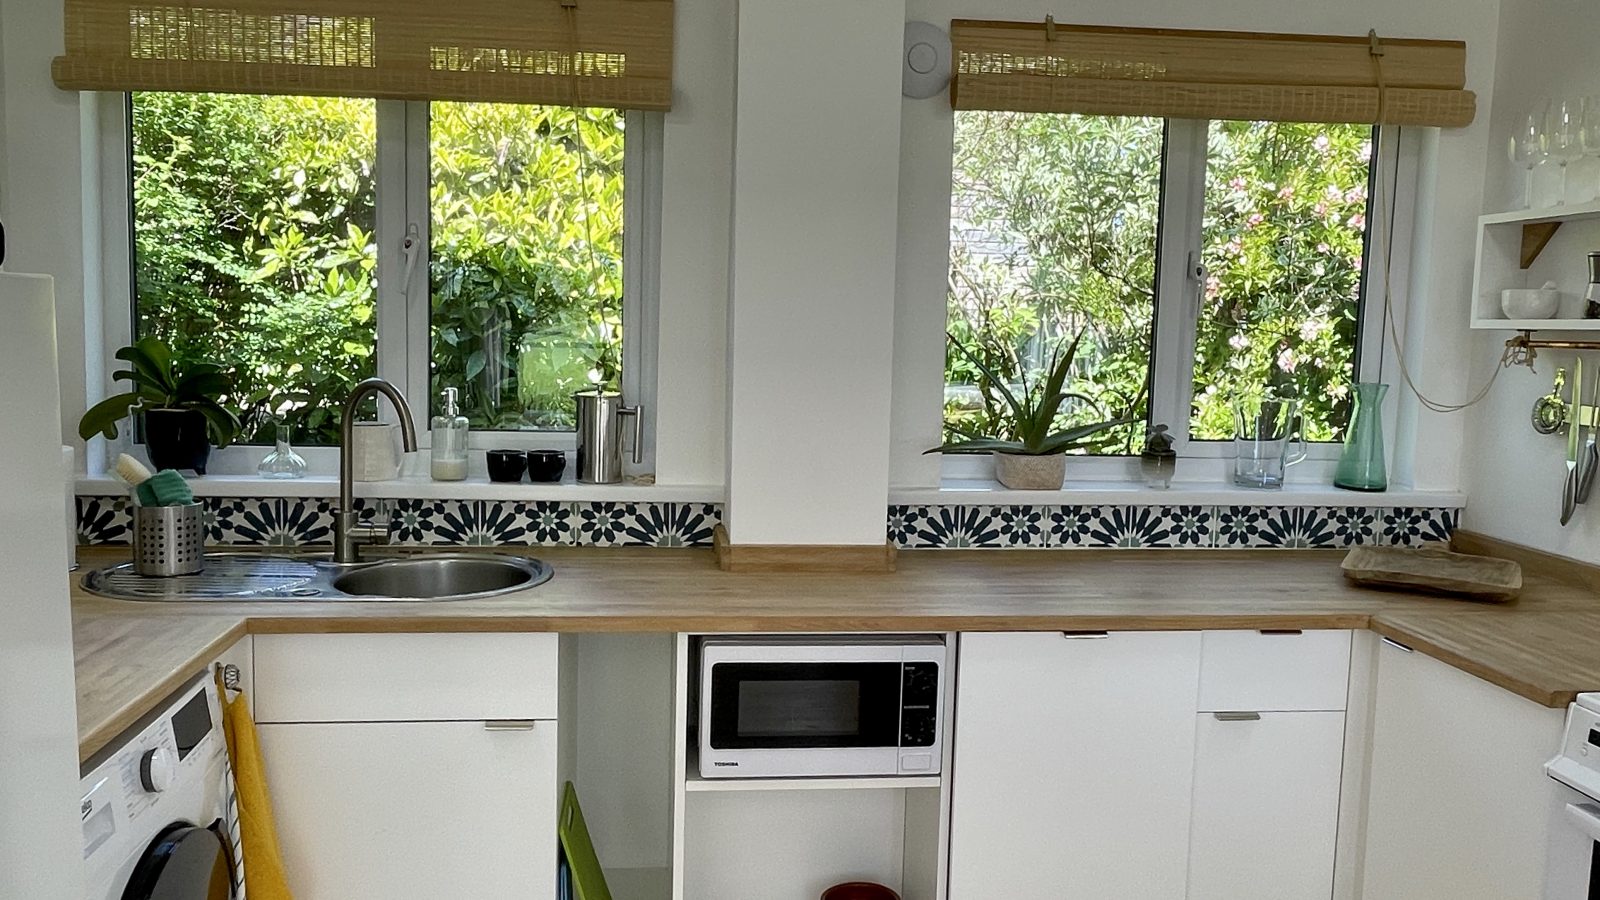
{"x": 506, "y": 465}
{"x": 546, "y": 465}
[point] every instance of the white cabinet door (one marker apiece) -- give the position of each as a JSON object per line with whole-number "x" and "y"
{"x": 414, "y": 810}
{"x": 1266, "y": 806}
{"x": 1458, "y": 803}
{"x": 1073, "y": 766}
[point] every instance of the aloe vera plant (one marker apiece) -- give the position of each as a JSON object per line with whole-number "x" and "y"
{"x": 1033, "y": 413}
{"x": 158, "y": 383}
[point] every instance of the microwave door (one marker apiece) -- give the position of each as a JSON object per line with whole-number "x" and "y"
{"x": 758, "y": 706}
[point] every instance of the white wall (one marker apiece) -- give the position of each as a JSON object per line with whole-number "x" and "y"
{"x": 40, "y": 840}
{"x": 812, "y": 273}
{"x": 927, "y": 141}
{"x": 1514, "y": 476}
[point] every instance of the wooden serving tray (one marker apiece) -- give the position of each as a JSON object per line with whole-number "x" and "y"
{"x": 1434, "y": 570}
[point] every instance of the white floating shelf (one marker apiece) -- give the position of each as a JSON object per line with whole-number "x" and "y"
{"x": 1527, "y": 248}
{"x": 1536, "y": 324}
{"x": 1544, "y": 214}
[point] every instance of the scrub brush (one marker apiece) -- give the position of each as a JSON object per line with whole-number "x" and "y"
{"x": 164, "y": 488}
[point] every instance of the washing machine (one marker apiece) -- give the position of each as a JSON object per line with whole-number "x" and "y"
{"x": 160, "y": 817}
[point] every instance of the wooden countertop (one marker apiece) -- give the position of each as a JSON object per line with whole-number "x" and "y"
{"x": 1545, "y": 647}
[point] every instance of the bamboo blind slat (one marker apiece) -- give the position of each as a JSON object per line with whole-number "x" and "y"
{"x": 615, "y": 53}
{"x": 1032, "y": 67}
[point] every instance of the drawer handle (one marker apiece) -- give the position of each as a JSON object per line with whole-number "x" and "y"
{"x": 1284, "y": 631}
{"x": 1397, "y": 645}
{"x": 1237, "y": 716}
{"x": 509, "y": 724}
{"x": 1085, "y": 635}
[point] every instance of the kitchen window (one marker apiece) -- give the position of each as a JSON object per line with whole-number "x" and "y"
{"x": 1195, "y": 258}
{"x": 307, "y": 243}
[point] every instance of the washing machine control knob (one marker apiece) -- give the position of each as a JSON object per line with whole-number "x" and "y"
{"x": 155, "y": 770}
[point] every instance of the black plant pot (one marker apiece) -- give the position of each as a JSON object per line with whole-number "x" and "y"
{"x": 176, "y": 439}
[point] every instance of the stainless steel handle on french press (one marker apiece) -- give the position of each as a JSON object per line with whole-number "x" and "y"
{"x": 632, "y": 412}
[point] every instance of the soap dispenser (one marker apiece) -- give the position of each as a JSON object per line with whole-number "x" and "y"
{"x": 449, "y": 454}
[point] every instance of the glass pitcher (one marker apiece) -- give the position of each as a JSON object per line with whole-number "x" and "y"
{"x": 1266, "y": 439}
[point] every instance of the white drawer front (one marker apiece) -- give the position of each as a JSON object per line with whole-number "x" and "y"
{"x": 1252, "y": 670}
{"x": 404, "y": 677}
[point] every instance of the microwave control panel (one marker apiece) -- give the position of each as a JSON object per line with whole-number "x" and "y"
{"x": 919, "y": 704}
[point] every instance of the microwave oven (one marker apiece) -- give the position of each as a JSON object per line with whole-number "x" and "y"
{"x": 786, "y": 707}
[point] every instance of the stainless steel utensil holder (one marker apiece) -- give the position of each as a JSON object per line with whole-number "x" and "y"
{"x": 168, "y": 540}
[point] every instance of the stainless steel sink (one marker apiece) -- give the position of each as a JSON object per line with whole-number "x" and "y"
{"x": 248, "y": 577}
{"x": 442, "y": 577}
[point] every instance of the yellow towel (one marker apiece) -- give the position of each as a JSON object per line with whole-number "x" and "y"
{"x": 263, "y": 863}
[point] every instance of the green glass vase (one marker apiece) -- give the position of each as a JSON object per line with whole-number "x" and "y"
{"x": 1361, "y": 465}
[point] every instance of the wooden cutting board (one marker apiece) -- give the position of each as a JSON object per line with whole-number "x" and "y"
{"x": 1434, "y": 570}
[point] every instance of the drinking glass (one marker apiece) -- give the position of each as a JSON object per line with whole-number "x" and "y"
{"x": 1527, "y": 151}
{"x": 1562, "y": 138}
{"x": 1589, "y": 135}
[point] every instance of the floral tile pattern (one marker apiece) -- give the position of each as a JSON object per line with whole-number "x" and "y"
{"x": 299, "y": 521}
{"x": 104, "y": 520}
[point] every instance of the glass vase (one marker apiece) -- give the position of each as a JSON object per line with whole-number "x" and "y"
{"x": 282, "y": 462}
{"x": 1361, "y": 465}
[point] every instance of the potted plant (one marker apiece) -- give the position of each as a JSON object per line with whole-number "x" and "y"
{"x": 1029, "y": 454}
{"x": 180, "y": 402}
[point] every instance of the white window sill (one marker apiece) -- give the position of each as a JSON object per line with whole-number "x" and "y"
{"x": 474, "y": 488}
{"x": 974, "y": 491}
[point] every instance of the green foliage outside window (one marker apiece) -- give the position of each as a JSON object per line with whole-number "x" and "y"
{"x": 1054, "y": 226}
{"x": 254, "y": 219}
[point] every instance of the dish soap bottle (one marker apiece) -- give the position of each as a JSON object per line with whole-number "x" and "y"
{"x": 449, "y": 455}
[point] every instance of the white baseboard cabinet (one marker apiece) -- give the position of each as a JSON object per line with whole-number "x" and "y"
{"x": 1459, "y": 806}
{"x": 411, "y": 767}
{"x": 1148, "y": 766}
{"x": 415, "y": 810}
{"x": 1074, "y": 759}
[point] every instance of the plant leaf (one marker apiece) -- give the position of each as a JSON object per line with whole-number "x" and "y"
{"x": 979, "y": 445}
{"x": 1017, "y": 409}
{"x": 1065, "y": 440}
{"x": 222, "y": 426}
{"x": 102, "y": 418}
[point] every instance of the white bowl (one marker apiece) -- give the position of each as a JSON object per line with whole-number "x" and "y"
{"x": 1529, "y": 303}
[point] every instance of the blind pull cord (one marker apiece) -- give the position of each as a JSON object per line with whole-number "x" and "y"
{"x": 1385, "y": 219}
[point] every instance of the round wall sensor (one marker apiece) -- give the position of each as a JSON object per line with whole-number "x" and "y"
{"x": 926, "y": 69}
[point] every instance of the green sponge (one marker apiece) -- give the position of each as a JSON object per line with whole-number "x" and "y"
{"x": 165, "y": 488}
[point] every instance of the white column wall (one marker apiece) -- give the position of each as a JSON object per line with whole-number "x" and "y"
{"x": 812, "y": 274}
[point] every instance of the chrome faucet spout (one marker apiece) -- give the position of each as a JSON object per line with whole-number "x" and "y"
{"x": 348, "y": 534}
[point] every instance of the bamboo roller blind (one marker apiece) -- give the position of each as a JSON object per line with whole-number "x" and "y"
{"x": 1044, "y": 67}
{"x": 615, "y": 53}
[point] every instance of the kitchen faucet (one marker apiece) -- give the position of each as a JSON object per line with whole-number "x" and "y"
{"x": 348, "y": 532}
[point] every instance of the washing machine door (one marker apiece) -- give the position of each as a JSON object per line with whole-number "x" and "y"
{"x": 184, "y": 862}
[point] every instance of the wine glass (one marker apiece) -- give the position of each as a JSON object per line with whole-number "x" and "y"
{"x": 1562, "y": 138}
{"x": 1527, "y": 150}
{"x": 1589, "y": 135}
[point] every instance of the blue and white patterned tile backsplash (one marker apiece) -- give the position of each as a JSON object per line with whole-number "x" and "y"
{"x": 308, "y": 521}
{"x": 1166, "y": 527}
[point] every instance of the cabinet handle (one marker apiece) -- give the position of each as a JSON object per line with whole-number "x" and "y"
{"x": 1085, "y": 635}
{"x": 1237, "y": 716}
{"x": 509, "y": 724}
{"x": 1397, "y": 645}
{"x": 1284, "y": 631}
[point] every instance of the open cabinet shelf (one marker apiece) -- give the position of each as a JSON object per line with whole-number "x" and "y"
{"x": 1526, "y": 248}
{"x": 693, "y": 782}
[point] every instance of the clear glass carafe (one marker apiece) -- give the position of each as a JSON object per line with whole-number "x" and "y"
{"x": 282, "y": 462}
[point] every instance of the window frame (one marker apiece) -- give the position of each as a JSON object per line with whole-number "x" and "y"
{"x": 403, "y": 311}
{"x": 1178, "y": 282}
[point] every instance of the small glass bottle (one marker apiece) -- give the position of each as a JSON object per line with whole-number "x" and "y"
{"x": 1159, "y": 461}
{"x": 449, "y": 455}
{"x": 282, "y": 462}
